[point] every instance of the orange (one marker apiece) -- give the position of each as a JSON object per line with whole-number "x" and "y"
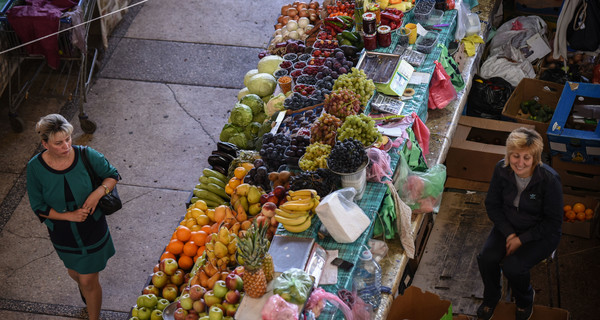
{"x": 579, "y": 207}
{"x": 175, "y": 246}
{"x": 166, "y": 255}
{"x": 247, "y": 165}
{"x": 234, "y": 182}
{"x": 183, "y": 233}
{"x": 240, "y": 172}
{"x": 206, "y": 228}
{"x": 589, "y": 214}
{"x": 581, "y": 216}
{"x": 567, "y": 208}
{"x": 186, "y": 263}
{"x": 190, "y": 249}
{"x": 214, "y": 228}
{"x": 200, "y": 251}
{"x": 571, "y": 215}
{"x": 199, "y": 237}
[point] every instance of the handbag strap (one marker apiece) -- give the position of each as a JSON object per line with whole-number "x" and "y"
{"x": 86, "y": 162}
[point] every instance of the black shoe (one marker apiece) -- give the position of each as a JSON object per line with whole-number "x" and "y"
{"x": 525, "y": 313}
{"x": 486, "y": 312}
{"x": 82, "y": 297}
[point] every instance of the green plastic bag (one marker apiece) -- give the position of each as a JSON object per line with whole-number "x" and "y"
{"x": 451, "y": 68}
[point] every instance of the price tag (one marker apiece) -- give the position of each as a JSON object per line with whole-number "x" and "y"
{"x": 278, "y": 122}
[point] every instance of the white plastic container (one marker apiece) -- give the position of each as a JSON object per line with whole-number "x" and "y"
{"x": 473, "y": 24}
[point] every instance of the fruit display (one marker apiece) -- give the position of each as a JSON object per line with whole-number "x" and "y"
{"x": 245, "y": 119}
{"x": 281, "y": 179}
{"x": 251, "y": 253}
{"x": 297, "y": 11}
{"x": 296, "y": 149}
{"x": 325, "y": 129}
{"x": 340, "y": 8}
{"x": 357, "y": 81}
{"x": 239, "y": 174}
{"x": 295, "y": 123}
{"x": 347, "y": 156}
{"x": 245, "y": 201}
{"x": 273, "y": 147}
{"x": 221, "y": 248}
{"x": 342, "y": 103}
{"x": 296, "y": 214}
{"x": 359, "y": 127}
{"x": 315, "y": 157}
{"x": 392, "y": 17}
{"x": 577, "y": 212}
{"x": 257, "y": 176}
{"x": 211, "y": 188}
{"x": 149, "y": 306}
{"x": 322, "y": 180}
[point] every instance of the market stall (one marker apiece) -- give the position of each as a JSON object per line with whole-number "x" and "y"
{"x": 303, "y": 105}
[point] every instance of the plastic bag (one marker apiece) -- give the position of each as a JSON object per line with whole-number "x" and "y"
{"x": 451, "y": 68}
{"x": 461, "y": 20}
{"x": 319, "y": 297}
{"x": 487, "y": 97}
{"x": 507, "y": 36}
{"x": 277, "y": 308}
{"x": 345, "y": 220}
{"x": 379, "y": 165}
{"x": 293, "y": 286}
{"x": 441, "y": 90}
{"x": 421, "y": 191}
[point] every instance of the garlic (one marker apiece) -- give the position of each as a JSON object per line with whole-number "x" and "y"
{"x": 278, "y": 38}
{"x": 294, "y": 35}
{"x": 303, "y": 22}
{"x": 300, "y": 32}
{"x": 278, "y": 32}
{"x": 292, "y": 25}
{"x": 308, "y": 27}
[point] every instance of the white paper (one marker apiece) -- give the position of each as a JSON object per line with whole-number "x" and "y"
{"x": 329, "y": 275}
{"x": 419, "y": 78}
{"x": 539, "y": 47}
{"x": 421, "y": 30}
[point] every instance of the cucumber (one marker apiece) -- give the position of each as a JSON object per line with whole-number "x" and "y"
{"x": 212, "y": 173}
{"x": 207, "y": 195}
{"x": 214, "y": 188}
{"x": 206, "y": 180}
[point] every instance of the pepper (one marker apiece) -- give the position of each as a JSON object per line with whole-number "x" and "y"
{"x": 349, "y": 36}
{"x": 391, "y": 16}
{"x": 335, "y": 24}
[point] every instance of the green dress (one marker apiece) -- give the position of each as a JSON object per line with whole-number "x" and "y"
{"x": 82, "y": 246}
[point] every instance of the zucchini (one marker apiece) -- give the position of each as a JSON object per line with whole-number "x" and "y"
{"x": 206, "y": 180}
{"x": 212, "y": 173}
{"x": 204, "y": 194}
{"x": 214, "y": 188}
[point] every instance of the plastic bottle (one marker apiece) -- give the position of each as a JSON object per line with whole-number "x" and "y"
{"x": 367, "y": 278}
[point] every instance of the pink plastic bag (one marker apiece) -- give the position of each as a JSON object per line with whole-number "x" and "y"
{"x": 317, "y": 300}
{"x": 421, "y": 133}
{"x": 441, "y": 90}
{"x": 277, "y": 308}
{"x": 379, "y": 165}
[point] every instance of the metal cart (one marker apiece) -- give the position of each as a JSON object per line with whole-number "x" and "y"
{"x": 74, "y": 66}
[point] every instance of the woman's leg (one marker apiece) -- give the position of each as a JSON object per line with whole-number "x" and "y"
{"x": 92, "y": 291}
{"x": 489, "y": 260}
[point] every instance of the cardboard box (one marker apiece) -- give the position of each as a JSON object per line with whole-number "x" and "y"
{"x": 545, "y": 92}
{"x": 578, "y": 178}
{"x": 569, "y": 135}
{"x": 477, "y": 145}
{"x": 416, "y": 304}
{"x": 584, "y": 229}
{"x": 506, "y": 310}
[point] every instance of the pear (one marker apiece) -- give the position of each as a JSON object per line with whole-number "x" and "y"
{"x": 223, "y": 237}
{"x": 253, "y": 195}
{"x": 242, "y": 189}
{"x": 244, "y": 203}
{"x": 254, "y": 209}
{"x": 221, "y": 250}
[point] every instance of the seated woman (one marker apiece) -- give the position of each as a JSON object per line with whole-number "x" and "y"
{"x": 525, "y": 202}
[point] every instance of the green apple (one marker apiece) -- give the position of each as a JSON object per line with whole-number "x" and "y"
{"x": 162, "y": 304}
{"x": 215, "y": 313}
{"x": 134, "y": 311}
{"x": 144, "y": 313}
{"x": 136, "y": 318}
{"x": 147, "y": 300}
{"x": 220, "y": 289}
{"x": 186, "y": 302}
{"x": 156, "y": 315}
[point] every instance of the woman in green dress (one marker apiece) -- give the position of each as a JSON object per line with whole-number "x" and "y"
{"x": 61, "y": 195}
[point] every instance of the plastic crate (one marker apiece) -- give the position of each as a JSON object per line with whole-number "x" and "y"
{"x": 423, "y": 10}
{"x": 426, "y": 43}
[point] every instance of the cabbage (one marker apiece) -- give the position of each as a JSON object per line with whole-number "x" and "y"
{"x": 269, "y": 64}
{"x": 251, "y": 130}
{"x": 275, "y": 104}
{"x": 262, "y": 84}
{"x": 241, "y": 115}
{"x": 249, "y": 75}
{"x": 228, "y": 131}
{"x": 260, "y": 118}
{"x": 254, "y": 102}
{"x": 266, "y": 99}
{"x": 242, "y": 93}
{"x": 239, "y": 139}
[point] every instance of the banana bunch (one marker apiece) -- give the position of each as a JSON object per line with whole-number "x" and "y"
{"x": 296, "y": 213}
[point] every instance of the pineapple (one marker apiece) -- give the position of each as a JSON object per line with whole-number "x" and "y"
{"x": 268, "y": 268}
{"x": 252, "y": 249}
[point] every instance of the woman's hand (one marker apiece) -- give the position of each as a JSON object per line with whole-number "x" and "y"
{"x": 92, "y": 200}
{"x": 79, "y": 215}
{"x": 512, "y": 244}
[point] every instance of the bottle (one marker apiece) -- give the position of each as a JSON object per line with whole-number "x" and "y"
{"x": 367, "y": 278}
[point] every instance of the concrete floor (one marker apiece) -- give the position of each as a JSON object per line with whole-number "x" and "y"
{"x": 166, "y": 83}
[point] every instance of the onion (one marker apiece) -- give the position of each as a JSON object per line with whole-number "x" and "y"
{"x": 313, "y": 17}
{"x": 313, "y": 5}
{"x": 292, "y": 25}
{"x": 285, "y": 19}
{"x": 301, "y": 5}
{"x": 294, "y": 35}
{"x": 292, "y": 12}
{"x": 303, "y": 13}
{"x": 300, "y": 32}
{"x": 277, "y": 31}
{"x": 278, "y": 27}
{"x": 303, "y": 22}
{"x": 280, "y": 19}
{"x": 284, "y": 9}
{"x": 278, "y": 38}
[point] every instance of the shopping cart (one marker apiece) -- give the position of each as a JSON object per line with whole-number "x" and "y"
{"x": 72, "y": 60}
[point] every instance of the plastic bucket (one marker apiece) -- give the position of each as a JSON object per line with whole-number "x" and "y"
{"x": 356, "y": 180}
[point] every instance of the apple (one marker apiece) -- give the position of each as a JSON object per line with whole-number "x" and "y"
{"x": 231, "y": 309}
{"x": 282, "y": 201}
{"x": 191, "y": 316}
{"x": 272, "y": 198}
{"x": 184, "y": 288}
{"x": 144, "y": 313}
{"x": 228, "y": 318}
{"x": 220, "y": 289}
{"x": 162, "y": 304}
{"x": 199, "y": 306}
{"x": 204, "y": 318}
{"x": 186, "y": 302}
{"x": 239, "y": 270}
{"x": 170, "y": 292}
{"x": 147, "y": 300}
{"x": 134, "y": 311}
{"x": 263, "y": 198}
{"x": 234, "y": 282}
{"x": 169, "y": 266}
{"x": 215, "y": 313}
{"x": 156, "y": 267}
{"x": 160, "y": 279}
{"x": 232, "y": 296}
{"x": 136, "y": 318}
{"x": 220, "y": 306}
{"x": 151, "y": 289}
{"x": 177, "y": 277}
{"x": 180, "y": 314}
{"x": 210, "y": 299}
{"x": 156, "y": 315}
{"x": 197, "y": 292}
{"x": 268, "y": 209}
{"x": 279, "y": 192}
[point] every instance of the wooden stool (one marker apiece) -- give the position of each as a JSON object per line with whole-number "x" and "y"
{"x": 553, "y": 258}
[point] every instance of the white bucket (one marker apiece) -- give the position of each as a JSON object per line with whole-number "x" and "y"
{"x": 356, "y": 180}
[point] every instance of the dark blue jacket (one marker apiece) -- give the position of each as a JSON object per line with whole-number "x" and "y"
{"x": 540, "y": 211}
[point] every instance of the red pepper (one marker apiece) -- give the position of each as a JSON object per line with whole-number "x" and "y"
{"x": 391, "y": 16}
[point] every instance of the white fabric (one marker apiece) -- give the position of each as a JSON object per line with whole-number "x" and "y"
{"x": 511, "y": 71}
{"x": 560, "y": 38}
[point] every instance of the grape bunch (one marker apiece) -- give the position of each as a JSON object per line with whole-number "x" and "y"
{"x": 356, "y": 81}
{"x": 258, "y": 176}
{"x": 359, "y": 127}
{"x": 272, "y": 148}
{"x": 297, "y": 101}
{"x": 347, "y": 156}
{"x": 321, "y": 180}
{"x": 293, "y": 124}
{"x": 342, "y": 103}
{"x": 324, "y": 129}
{"x": 325, "y": 83}
{"x": 296, "y": 149}
{"x": 315, "y": 157}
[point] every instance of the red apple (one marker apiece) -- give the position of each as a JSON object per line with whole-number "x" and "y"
{"x": 268, "y": 209}
{"x": 273, "y": 198}
{"x": 199, "y": 306}
{"x": 191, "y": 316}
{"x": 197, "y": 292}
{"x": 156, "y": 267}
{"x": 184, "y": 288}
{"x": 279, "y": 192}
{"x": 231, "y": 309}
{"x": 180, "y": 314}
{"x": 239, "y": 270}
{"x": 178, "y": 277}
{"x": 234, "y": 281}
{"x": 170, "y": 292}
{"x": 151, "y": 289}
{"x": 232, "y": 296}
{"x": 169, "y": 266}
{"x": 263, "y": 198}
{"x": 282, "y": 201}
{"x": 160, "y": 279}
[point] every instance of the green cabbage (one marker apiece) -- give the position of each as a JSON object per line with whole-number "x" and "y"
{"x": 241, "y": 115}
{"x": 242, "y": 93}
{"x": 251, "y": 130}
{"x": 239, "y": 139}
{"x": 275, "y": 104}
{"x": 249, "y": 75}
{"x": 254, "y": 102}
{"x": 229, "y": 129}
{"x": 262, "y": 84}
{"x": 269, "y": 64}
{"x": 260, "y": 118}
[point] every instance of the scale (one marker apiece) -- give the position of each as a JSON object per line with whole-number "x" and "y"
{"x": 389, "y": 73}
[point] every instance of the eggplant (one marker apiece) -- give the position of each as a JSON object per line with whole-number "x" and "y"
{"x": 225, "y": 155}
{"x": 220, "y": 169}
{"x": 228, "y": 148}
{"x": 217, "y": 160}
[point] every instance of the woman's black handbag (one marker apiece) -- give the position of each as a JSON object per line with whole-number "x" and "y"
{"x": 109, "y": 203}
{"x": 583, "y": 32}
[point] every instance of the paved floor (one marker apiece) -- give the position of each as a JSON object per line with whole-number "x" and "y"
{"x": 167, "y": 80}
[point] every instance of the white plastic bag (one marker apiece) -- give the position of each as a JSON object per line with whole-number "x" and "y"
{"x": 343, "y": 218}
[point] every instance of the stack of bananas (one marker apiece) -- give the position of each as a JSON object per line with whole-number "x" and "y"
{"x": 296, "y": 214}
